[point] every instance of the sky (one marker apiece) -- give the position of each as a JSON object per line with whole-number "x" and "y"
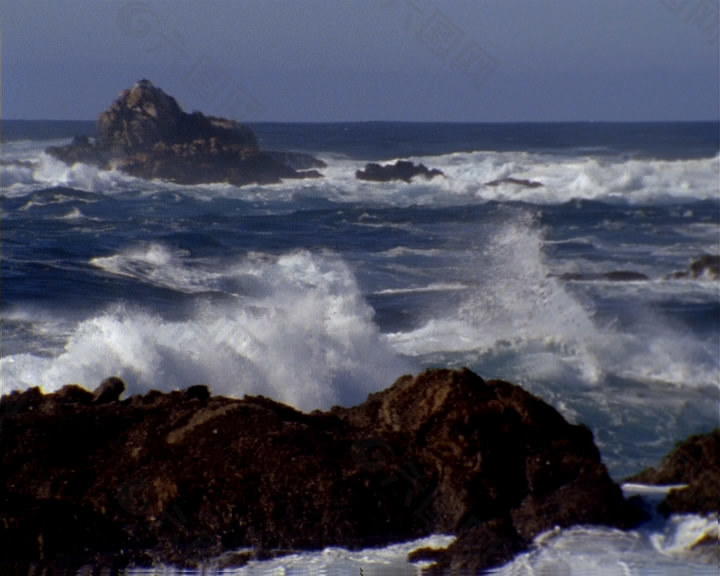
{"x": 365, "y": 60}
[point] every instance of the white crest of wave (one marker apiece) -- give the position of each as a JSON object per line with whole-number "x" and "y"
{"x": 154, "y": 263}
{"x": 515, "y": 303}
{"x": 563, "y": 177}
{"x": 515, "y": 306}
{"x": 305, "y": 337}
{"x": 26, "y": 175}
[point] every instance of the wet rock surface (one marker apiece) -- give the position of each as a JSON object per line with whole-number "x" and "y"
{"x": 146, "y": 133}
{"x": 401, "y": 170}
{"x": 184, "y": 476}
{"x": 695, "y": 462}
{"x": 706, "y": 266}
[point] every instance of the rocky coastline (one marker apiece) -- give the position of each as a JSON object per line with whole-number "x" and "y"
{"x": 185, "y": 476}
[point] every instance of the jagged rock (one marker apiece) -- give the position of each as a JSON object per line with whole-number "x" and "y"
{"x": 401, "y": 170}
{"x": 706, "y": 266}
{"x": 182, "y": 476}
{"x": 476, "y": 549}
{"x": 146, "y": 133}
{"x": 695, "y": 462}
{"x": 516, "y": 182}
{"x": 109, "y": 390}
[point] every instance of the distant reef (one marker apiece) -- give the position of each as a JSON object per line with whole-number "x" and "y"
{"x": 145, "y": 133}
{"x": 182, "y": 477}
{"x": 401, "y": 170}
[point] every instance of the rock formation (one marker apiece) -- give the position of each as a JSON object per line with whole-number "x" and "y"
{"x": 146, "y": 134}
{"x": 401, "y": 170}
{"x": 183, "y": 476}
{"x": 706, "y": 266}
{"x": 695, "y": 462}
{"x": 109, "y": 390}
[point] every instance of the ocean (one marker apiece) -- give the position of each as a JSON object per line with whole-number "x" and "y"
{"x": 319, "y": 292}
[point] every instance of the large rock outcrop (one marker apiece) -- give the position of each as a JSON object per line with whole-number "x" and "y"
{"x": 146, "y": 133}
{"x": 184, "y": 476}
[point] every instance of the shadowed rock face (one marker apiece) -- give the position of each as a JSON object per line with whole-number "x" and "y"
{"x": 144, "y": 116}
{"x": 182, "y": 476}
{"x": 146, "y": 134}
{"x": 695, "y": 462}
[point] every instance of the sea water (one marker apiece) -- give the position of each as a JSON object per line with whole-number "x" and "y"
{"x": 319, "y": 292}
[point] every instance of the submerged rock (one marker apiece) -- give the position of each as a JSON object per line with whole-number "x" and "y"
{"x": 401, "y": 170}
{"x": 516, "y": 182}
{"x": 183, "y": 476}
{"x": 614, "y": 276}
{"x": 146, "y": 133}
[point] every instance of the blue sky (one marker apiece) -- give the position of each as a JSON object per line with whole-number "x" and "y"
{"x": 345, "y": 60}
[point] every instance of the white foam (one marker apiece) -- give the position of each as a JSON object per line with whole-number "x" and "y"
{"x": 668, "y": 550}
{"x": 29, "y": 168}
{"x": 564, "y": 178}
{"x": 683, "y": 533}
{"x": 434, "y": 287}
{"x": 155, "y": 263}
{"x": 387, "y": 561}
{"x": 633, "y": 489}
{"x": 303, "y": 335}
{"x": 650, "y": 550}
{"x": 514, "y": 303}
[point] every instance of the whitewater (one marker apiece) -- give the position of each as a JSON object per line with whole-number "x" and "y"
{"x": 319, "y": 292}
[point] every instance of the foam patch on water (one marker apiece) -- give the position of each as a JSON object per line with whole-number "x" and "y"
{"x": 669, "y": 550}
{"x": 387, "y": 561}
{"x": 300, "y": 333}
{"x": 674, "y": 548}
{"x": 563, "y": 178}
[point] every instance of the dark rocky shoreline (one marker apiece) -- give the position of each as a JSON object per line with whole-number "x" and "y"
{"x": 183, "y": 477}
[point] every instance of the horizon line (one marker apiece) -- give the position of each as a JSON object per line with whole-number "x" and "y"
{"x": 656, "y": 121}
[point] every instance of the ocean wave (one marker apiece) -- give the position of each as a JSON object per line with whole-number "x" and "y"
{"x": 564, "y": 178}
{"x": 39, "y": 171}
{"x": 513, "y": 304}
{"x": 305, "y": 336}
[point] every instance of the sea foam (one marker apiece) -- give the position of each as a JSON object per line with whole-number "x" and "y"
{"x": 563, "y": 177}
{"x": 512, "y": 302}
{"x": 300, "y": 333}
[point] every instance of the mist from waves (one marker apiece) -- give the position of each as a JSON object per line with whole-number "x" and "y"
{"x": 515, "y": 302}
{"x": 293, "y": 327}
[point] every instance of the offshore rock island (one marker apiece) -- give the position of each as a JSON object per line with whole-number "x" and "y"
{"x": 183, "y": 477}
{"x": 145, "y": 133}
